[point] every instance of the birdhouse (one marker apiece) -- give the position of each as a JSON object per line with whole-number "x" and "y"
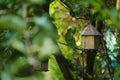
{"x": 90, "y": 38}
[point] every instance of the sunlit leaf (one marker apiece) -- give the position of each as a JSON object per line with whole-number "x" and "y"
{"x": 18, "y": 45}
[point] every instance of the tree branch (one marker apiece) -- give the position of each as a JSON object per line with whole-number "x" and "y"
{"x": 65, "y": 4}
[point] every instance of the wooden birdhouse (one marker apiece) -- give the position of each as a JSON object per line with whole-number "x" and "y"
{"x": 90, "y": 38}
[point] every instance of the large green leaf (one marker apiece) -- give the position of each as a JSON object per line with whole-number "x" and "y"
{"x": 12, "y": 23}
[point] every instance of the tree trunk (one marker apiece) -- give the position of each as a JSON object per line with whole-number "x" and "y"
{"x": 64, "y": 66}
{"x": 62, "y": 62}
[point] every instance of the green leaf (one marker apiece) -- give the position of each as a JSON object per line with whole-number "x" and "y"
{"x": 117, "y": 73}
{"x": 43, "y": 22}
{"x": 6, "y": 76}
{"x": 8, "y": 39}
{"x": 41, "y": 2}
{"x": 113, "y": 12}
{"x": 48, "y": 47}
{"x": 102, "y": 15}
{"x": 18, "y": 45}
{"x": 70, "y": 39}
{"x": 14, "y": 66}
{"x": 46, "y": 27}
{"x": 12, "y": 23}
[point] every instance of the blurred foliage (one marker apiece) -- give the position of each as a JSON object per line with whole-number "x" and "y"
{"x": 27, "y": 39}
{"x": 29, "y": 36}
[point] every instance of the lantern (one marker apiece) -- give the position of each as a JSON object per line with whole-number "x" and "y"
{"x": 90, "y": 38}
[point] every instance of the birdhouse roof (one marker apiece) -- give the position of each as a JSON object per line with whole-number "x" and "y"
{"x": 90, "y": 30}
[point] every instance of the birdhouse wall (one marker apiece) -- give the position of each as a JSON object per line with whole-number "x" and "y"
{"x": 88, "y": 42}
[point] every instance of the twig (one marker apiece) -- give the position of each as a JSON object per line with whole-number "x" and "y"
{"x": 26, "y": 35}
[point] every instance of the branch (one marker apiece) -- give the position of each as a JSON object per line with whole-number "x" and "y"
{"x": 64, "y": 65}
{"x": 65, "y": 4}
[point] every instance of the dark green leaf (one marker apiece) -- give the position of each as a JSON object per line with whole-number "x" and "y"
{"x": 70, "y": 39}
